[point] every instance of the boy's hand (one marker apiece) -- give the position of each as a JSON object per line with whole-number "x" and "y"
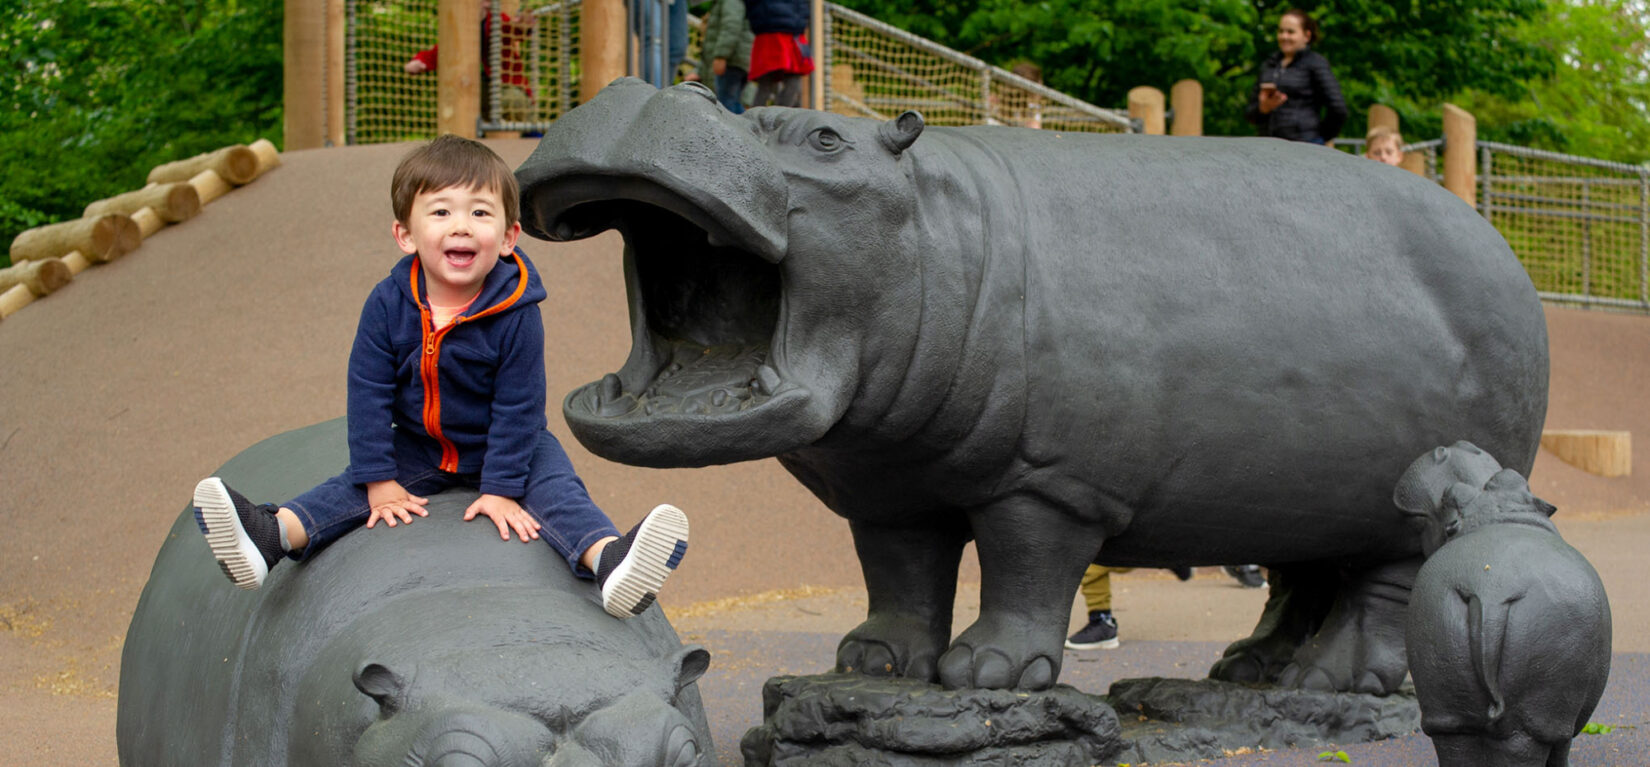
{"x": 390, "y": 500}
{"x": 505, "y": 513}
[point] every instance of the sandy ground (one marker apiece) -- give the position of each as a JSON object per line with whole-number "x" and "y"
{"x": 147, "y": 373}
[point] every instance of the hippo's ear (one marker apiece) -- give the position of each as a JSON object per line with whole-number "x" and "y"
{"x": 382, "y": 685}
{"x": 691, "y": 663}
{"x": 901, "y": 132}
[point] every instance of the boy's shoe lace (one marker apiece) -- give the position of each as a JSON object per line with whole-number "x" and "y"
{"x": 245, "y": 538}
{"x": 1099, "y": 634}
{"x": 633, "y": 568}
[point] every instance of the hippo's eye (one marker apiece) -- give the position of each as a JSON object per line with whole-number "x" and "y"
{"x": 826, "y": 140}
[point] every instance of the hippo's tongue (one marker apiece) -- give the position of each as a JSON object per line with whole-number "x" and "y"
{"x": 697, "y": 379}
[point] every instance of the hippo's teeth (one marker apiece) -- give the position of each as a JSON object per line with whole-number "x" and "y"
{"x": 609, "y": 398}
{"x": 612, "y": 388}
{"x": 767, "y": 380}
{"x": 719, "y": 398}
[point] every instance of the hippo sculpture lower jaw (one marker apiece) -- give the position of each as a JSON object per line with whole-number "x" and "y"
{"x": 1167, "y": 351}
{"x": 396, "y": 646}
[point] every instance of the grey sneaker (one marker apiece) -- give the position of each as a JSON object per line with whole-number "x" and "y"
{"x": 633, "y": 568}
{"x": 1099, "y": 634}
{"x": 1249, "y": 576}
{"x": 245, "y": 538}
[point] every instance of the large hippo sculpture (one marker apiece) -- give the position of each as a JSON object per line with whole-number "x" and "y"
{"x": 432, "y": 644}
{"x": 1135, "y": 350}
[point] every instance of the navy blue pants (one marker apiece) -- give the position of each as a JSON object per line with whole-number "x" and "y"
{"x": 556, "y": 498}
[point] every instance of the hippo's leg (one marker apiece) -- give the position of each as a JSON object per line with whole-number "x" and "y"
{"x": 1361, "y": 645}
{"x": 1299, "y": 597}
{"x": 911, "y": 582}
{"x": 1031, "y": 560}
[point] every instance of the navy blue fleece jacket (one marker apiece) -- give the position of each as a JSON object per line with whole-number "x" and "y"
{"x": 469, "y": 397}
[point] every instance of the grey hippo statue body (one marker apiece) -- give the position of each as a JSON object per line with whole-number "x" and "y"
{"x": 1142, "y": 351}
{"x": 430, "y": 644}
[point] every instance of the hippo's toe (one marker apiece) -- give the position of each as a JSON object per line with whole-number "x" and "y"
{"x": 890, "y": 646}
{"x": 964, "y": 667}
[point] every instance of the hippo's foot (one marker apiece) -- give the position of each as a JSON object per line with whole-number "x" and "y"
{"x": 892, "y": 645}
{"x": 1254, "y": 660}
{"x": 1361, "y": 645}
{"x": 1517, "y": 750}
{"x": 1005, "y": 652}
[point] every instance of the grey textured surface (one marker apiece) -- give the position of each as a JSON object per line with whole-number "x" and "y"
{"x": 1054, "y": 345}
{"x": 395, "y": 646}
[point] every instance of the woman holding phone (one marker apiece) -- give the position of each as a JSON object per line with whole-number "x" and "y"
{"x": 1297, "y": 97}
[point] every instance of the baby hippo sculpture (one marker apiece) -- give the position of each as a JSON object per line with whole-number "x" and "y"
{"x": 1067, "y": 348}
{"x": 433, "y": 644}
{"x": 1509, "y": 629}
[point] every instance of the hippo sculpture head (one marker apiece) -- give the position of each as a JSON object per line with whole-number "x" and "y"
{"x": 1068, "y": 348}
{"x": 435, "y": 644}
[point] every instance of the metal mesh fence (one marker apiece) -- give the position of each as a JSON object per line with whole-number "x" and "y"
{"x": 384, "y": 103}
{"x": 533, "y": 66}
{"x": 876, "y": 70}
{"x": 1578, "y": 225}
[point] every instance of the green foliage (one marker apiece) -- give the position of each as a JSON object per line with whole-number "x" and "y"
{"x": 94, "y": 93}
{"x": 1594, "y": 728}
{"x": 1097, "y": 50}
{"x": 1334, "y": 756}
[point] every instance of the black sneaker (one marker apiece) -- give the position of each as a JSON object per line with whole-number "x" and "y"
{"x": 1249, "y": 575}
{"x": 1100, "y": 634}
{"x": 633, "y": 568}
{"x": 245, "y": 539}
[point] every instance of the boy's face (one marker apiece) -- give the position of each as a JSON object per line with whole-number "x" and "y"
{"x": 1385, "y": 150}
{"x": 459, "y": 234}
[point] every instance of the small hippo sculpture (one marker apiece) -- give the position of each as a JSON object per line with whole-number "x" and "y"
{"x": 1138, "y": 350}
{"x": 1508, "y": 631}
{"x": 428, "y": 644}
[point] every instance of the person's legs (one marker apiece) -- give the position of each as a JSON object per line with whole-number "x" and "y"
{"x": 1101, "y": 631}
{"x": 790, "y": 91}
{"x": 766, "y": 87}
{"x": 678, "y": 40}
{"x": 555, "y": 497}
{"x": 730, "y": 85}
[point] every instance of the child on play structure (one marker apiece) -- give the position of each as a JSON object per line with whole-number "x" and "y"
{"x": 447, "y": 388}
{"x": 1384, "y": 144}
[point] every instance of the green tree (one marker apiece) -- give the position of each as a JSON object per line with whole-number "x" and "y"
{"x": 94, "y": 93}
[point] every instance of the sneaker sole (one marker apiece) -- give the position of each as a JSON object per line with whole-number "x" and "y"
{"x": 1109, "y": 644}
{"x": 659, "y": 545}
{"x": 237, "y": 555}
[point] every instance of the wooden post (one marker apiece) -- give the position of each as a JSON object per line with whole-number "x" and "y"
{"x": 76, "y": 262}
{"x": 603, "y": 35}
{"x": 1461, "y": 153}
{"x": 14, "y": 299}
{"x": 209, "y": 185}
{"x": 236, "y": 164}
{"x": 99, "y": 239}
{"x": 42, "y": 277}
{"x": 148, "y": 221}
{"x": 172, "y": 202}
{"x": 304, "y": 60}
{"x": 1146, "y": 104}
{"x": 1605, "y": 453}
{"x": 335, "y": 72}
{"x": 458, "y": 79}
{"x": 1383, "y": 116}
{"x": 1187, "y": 98}
{"x": 268, "y": 156}
{"x": 816, "y": 40}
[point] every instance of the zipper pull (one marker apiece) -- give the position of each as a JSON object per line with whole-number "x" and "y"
{"x": 429, "y": 346}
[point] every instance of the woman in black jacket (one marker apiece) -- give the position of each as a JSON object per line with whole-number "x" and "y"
{"x": 1297, "y": 97}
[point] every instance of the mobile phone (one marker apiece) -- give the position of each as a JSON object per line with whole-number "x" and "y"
{"x": 1268, "y": 86}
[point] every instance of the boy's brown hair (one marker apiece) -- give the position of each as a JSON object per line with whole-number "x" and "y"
{"x": 1382, "y": 133}
{"x": 451, "y": 161}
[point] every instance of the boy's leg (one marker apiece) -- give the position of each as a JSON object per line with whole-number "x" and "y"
{"x": 632, "y": 567}
{"x": 244, "y": 537}
{"x": 333, "y": 508}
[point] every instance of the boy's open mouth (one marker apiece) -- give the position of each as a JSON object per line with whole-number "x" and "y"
{"x": 460, "y": 257}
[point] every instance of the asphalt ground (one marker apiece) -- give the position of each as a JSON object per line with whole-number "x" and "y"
{"x": 145, "y": 374}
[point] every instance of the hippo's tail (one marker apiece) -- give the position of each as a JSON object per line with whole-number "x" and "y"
{"x": 1486, "y": 636}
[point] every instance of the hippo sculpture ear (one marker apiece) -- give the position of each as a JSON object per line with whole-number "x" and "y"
{"x": 382, "y": 685}
{"x": 691, "y": 663}
{"x": 901, "y": 132}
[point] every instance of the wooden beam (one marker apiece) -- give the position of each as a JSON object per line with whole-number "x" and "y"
{"x": 236, "y": 164}
{"x": 1605, "y": 453}
{"x": 173, "y": 202}
{"x": 101, "y": 238}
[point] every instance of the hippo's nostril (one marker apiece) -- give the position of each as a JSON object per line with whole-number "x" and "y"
{"x": 704, "y": 90}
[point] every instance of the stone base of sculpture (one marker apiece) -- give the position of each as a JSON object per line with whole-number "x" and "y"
{"x": 849, "y": 719}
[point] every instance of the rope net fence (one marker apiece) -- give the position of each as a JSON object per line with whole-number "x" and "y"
{"x": 383, "y": 103}
{"x": 1577, "y": 224}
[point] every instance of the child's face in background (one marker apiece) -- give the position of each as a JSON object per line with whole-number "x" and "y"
{"x": 459, "y": 234}
{"x": 1385, "y": 150}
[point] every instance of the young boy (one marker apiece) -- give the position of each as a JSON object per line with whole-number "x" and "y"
{"x": 447, "y": 388}
{"x": 1384, "y": 144}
